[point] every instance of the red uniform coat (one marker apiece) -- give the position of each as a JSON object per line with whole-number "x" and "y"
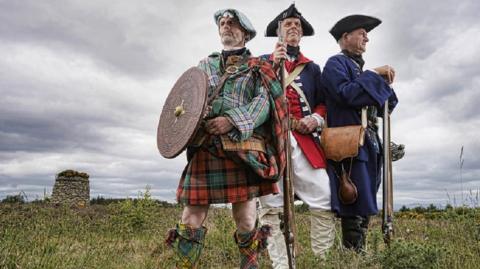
{"x": 309, "y": 81}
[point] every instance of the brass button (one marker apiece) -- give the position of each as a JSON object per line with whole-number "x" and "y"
{"x": 232, "y": 69}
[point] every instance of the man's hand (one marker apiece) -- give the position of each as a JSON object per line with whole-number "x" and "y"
{"x": 307, "y": 125}
{"x": 387, "y": 72}
{"x": 218, "y": 126}
{"x": 280, "y": 52}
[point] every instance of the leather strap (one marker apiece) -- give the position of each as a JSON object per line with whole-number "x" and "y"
{"x": 290, "y": 81}
{"x": 291, "y": 77}
{"x": 217, "y": 89}
{"x": 303, "y": 99}
{"x": 363, "y": 116}
{"x": 301, "y": 93}
{"x": 224, "y": 78}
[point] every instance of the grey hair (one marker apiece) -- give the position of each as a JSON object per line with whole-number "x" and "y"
{"x": 340, "y": 42}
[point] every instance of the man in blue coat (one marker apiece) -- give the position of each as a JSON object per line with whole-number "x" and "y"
{"x": 349, "y": 89}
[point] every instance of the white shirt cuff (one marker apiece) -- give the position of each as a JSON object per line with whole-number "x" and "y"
{"x": 320, "y": 120}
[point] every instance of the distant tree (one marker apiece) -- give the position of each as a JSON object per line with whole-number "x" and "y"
{"x": 419, "y": 209}
{"x": 97, "y": 200}
{"x": 14, "y": 199}
{"x": 432, "y": 208}
{"x": 404, "y": 209}
{"x": 100, "y": 200}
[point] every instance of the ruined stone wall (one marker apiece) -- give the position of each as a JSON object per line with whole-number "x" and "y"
{"x": 71, "y": 188}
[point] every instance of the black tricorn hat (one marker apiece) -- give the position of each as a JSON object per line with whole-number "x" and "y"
{"x": 290, "y": 12}
{"x": 353, "y": 22}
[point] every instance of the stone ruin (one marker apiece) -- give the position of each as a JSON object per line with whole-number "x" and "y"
{"x": 71, "y": 188}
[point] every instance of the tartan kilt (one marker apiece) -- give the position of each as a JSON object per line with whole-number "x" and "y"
{"x": 216, "y": 179}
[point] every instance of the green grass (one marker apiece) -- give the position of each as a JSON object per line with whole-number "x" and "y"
{"x": 131, "y": 234}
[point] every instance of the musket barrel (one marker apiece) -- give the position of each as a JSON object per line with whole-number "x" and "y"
{"x": 387, "y": 225}
{"x": 386, "y": 155}
{"x": 288, "y": 215}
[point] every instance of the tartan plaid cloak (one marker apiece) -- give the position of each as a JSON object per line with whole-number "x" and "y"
{"x": 253, "y": 99}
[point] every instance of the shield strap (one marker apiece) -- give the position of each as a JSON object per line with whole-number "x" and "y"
{"x": 224, "y": 78}
{"x": 200, "y": 137}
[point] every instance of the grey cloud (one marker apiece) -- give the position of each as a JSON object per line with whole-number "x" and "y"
{"x": 40, "y": 134}
{"x": 418, "y": 28}
{"x": 414, "y": 34}
{"x": 128, "y": 40}
{"x": 27, "y": 130}
{"x": 93, "y": 103}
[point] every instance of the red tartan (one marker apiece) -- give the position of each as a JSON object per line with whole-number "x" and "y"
{"x": 212, "y": 180}
{"x": 278, "y": 115}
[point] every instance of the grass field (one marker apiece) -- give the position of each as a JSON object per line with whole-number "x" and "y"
{"x": 130, "y": 234}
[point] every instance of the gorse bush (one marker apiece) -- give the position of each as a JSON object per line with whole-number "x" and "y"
{"x": 412, "y": 255}
{"x": 133, "y": 214}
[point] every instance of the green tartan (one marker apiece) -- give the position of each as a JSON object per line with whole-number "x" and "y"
{"x": 187, "y": 244}
{"x": 252, "y": 98}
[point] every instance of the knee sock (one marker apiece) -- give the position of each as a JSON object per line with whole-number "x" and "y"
{"x": 250, "y": 244}
{"x": 187, "y": 242}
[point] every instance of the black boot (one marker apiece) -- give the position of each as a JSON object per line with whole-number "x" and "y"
{"x": 354, "y": 232}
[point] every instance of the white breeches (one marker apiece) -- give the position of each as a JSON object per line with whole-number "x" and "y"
{"x": 311, "y": 185}
{"x": 313, "y": 188}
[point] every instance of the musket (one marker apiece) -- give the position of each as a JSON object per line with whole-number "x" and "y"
{"x": 288, "y": 217}
{"x": 387, "y": 220}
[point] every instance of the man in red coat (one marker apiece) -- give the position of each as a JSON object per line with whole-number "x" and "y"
{"x": 307, "y": 109}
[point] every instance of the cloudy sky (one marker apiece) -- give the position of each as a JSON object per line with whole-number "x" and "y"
{"x": 82, "y": 84}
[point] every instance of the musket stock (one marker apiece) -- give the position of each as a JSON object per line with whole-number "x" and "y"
{"x": 288, "y": 220}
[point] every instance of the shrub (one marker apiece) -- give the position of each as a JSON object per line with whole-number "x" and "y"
{"x": 15, "y": 199}
{"x": 301, "y": 208}
{"x": 411, "y": 255}
{"x": 133, "y": 214}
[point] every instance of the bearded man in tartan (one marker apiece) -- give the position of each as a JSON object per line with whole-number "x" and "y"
{"x": 238, "y": 154}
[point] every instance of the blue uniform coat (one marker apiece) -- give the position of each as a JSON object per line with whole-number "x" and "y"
{"x": 310, "y": 81}
{"x": 348, "y": 89}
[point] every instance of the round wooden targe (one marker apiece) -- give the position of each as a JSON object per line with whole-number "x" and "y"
{"x": 182, "y": 112}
